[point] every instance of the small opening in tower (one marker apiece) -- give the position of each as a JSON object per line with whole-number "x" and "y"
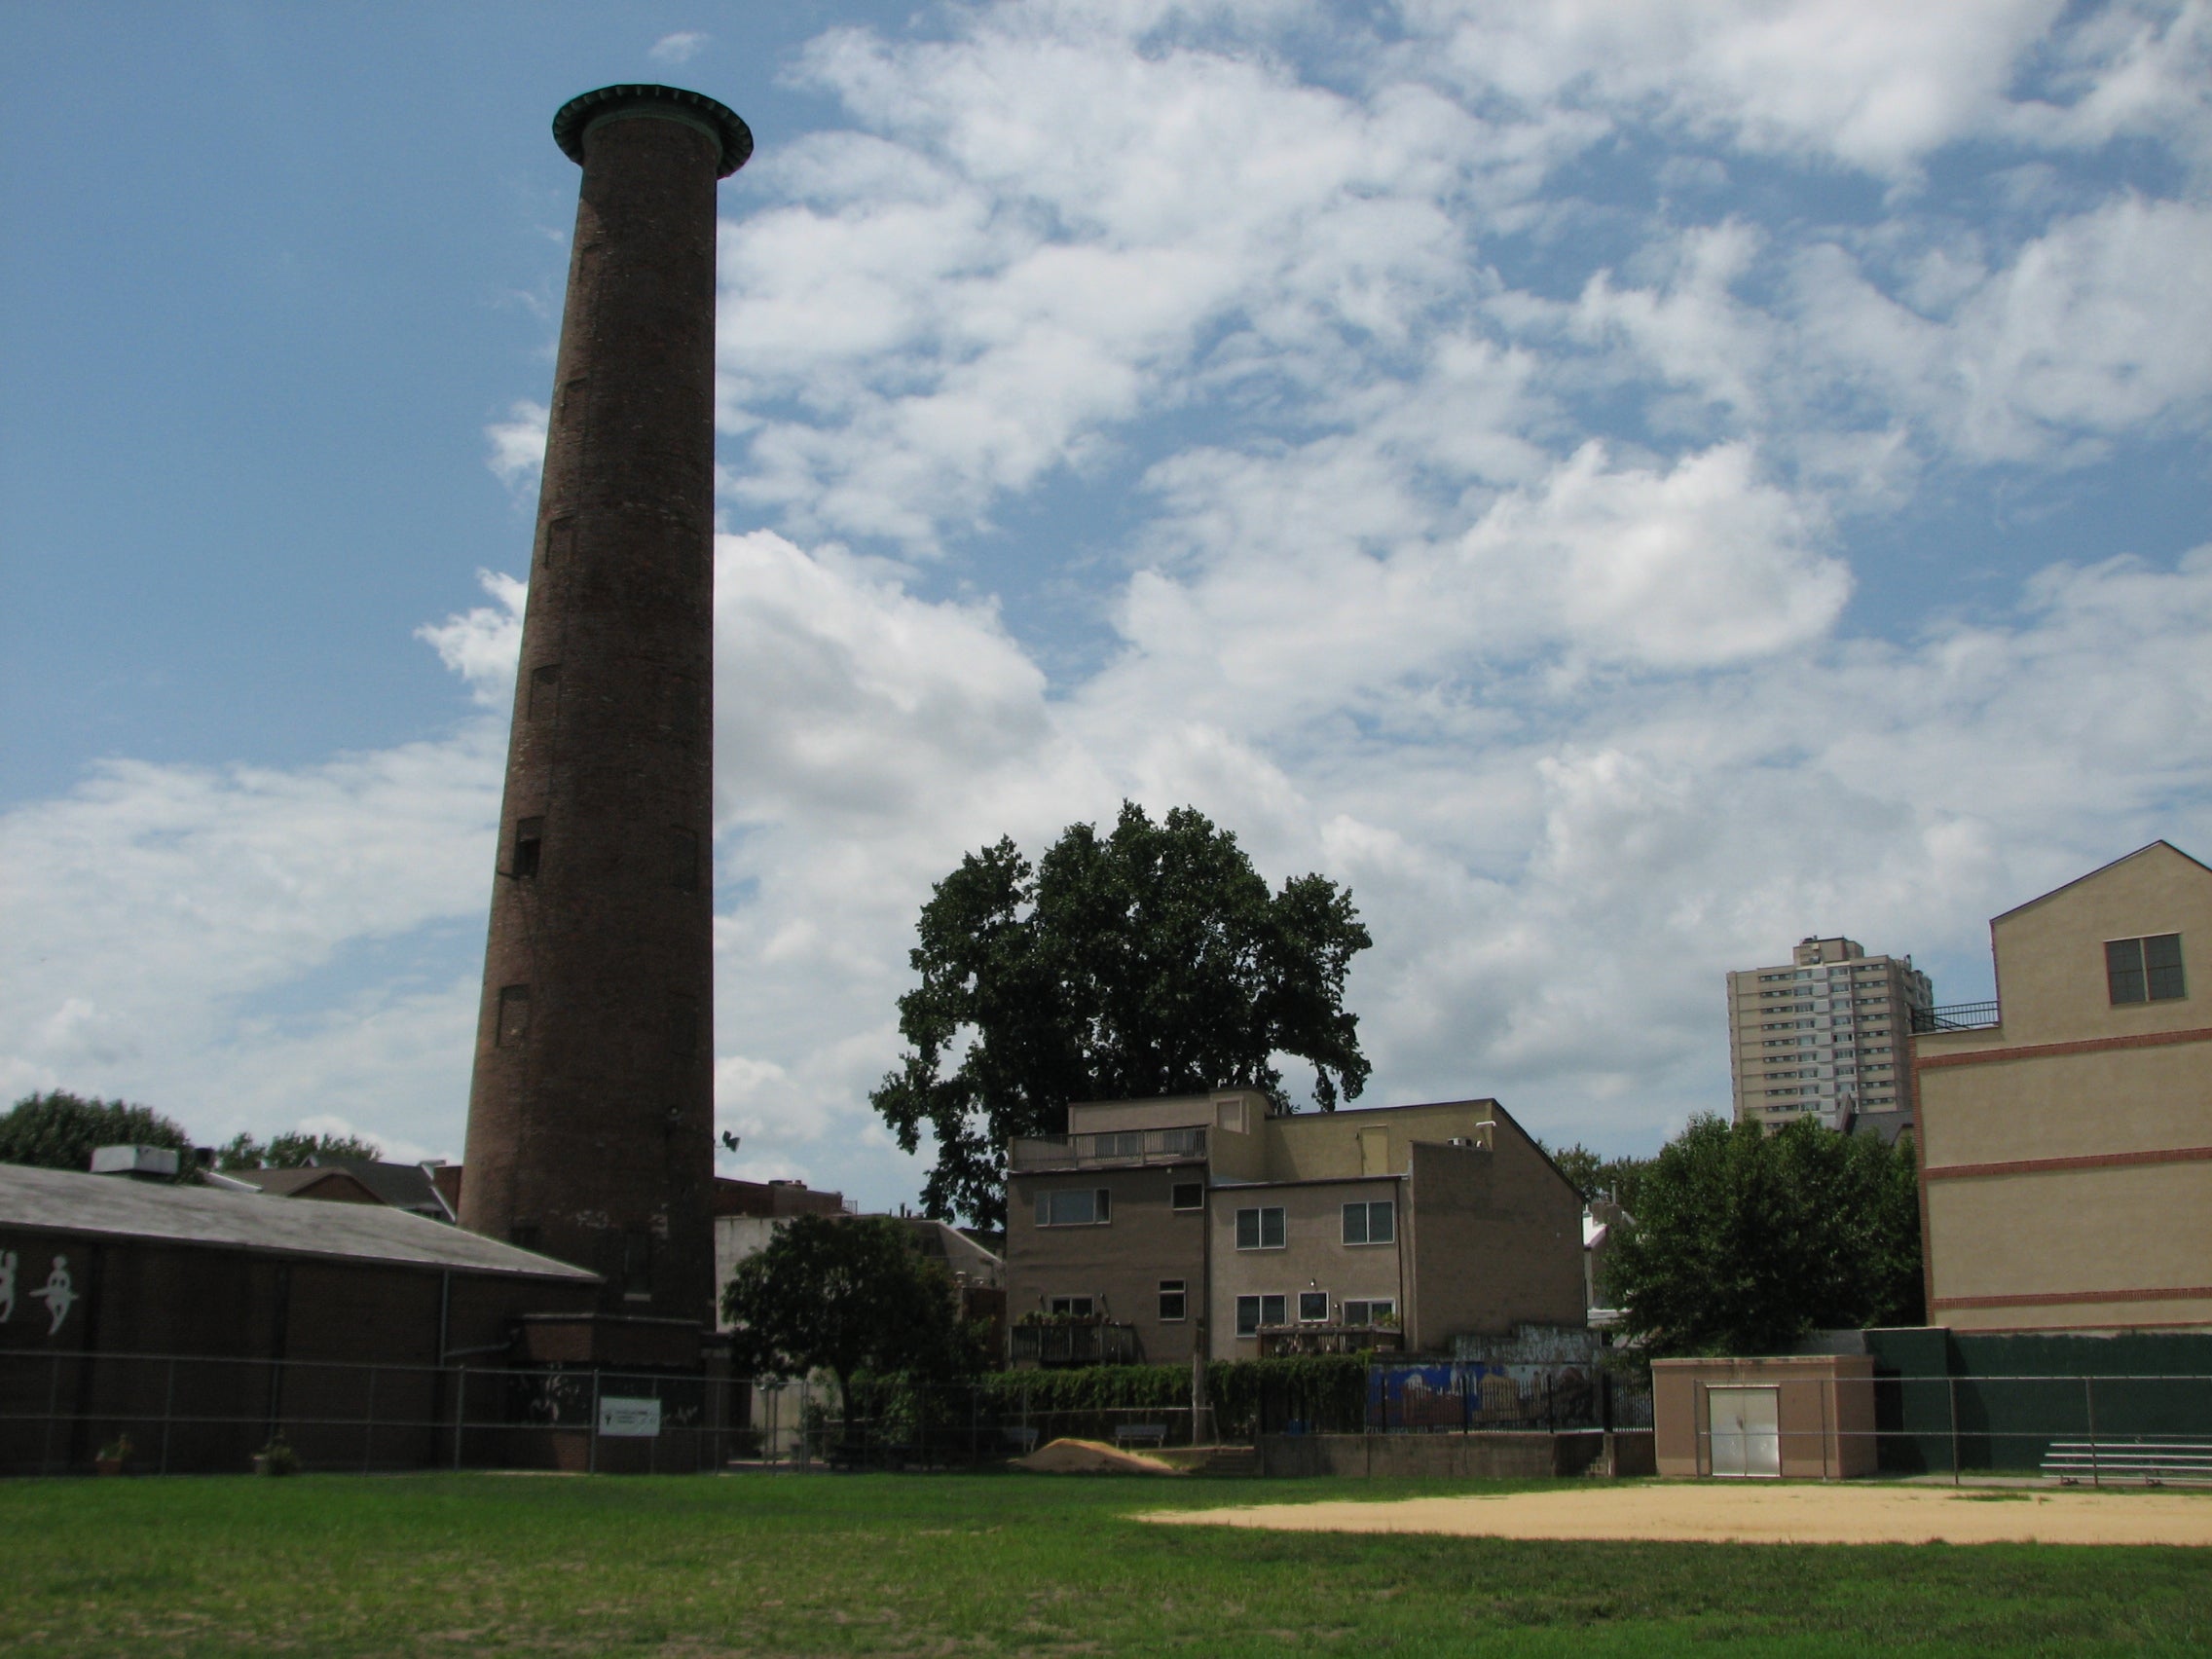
{"x": 560, "y": 541}
{"x": 545, "y": 691}
{"x": 683, "y": 859}
{"x": 514, "y": 1015}
{"x": 530, "y": 836}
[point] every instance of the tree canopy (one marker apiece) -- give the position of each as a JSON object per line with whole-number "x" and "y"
{"x": 58, "y": 1130}
{"x": 1153, "y": 960}
{"x": 294, "y": 1150}
{"x": 844, "y": 1296}
{"x": 1615, "y": 1178}
{"x": 1742, "y": 1241}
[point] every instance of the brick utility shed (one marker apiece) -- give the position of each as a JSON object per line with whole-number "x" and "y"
{"x": 97, "y": 1272}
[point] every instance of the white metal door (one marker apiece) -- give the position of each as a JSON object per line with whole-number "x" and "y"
{"x": 1744, "y": 1427}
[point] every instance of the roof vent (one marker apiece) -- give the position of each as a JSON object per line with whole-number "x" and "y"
{"x": 144, "y": 1163}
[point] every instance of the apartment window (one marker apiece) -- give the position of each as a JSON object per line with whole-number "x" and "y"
{"x": 1373, "y": 1222}
{"x": 1187, "y": 1195}
{"x": 1172, "y": 1301}
{"x": 2145, "y": 970}
{"x": 1369, "y": 1313}
{"x": 1074, "y": 1206}
{"x": 1253, "y": 1312}
{"x": 1075, "y": 1307}
{"x": 1261, "y": 1230}
{"x": 1312, "y": 1307}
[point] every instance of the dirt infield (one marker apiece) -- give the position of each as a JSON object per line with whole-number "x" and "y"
{"x": 1763, "y": 1514}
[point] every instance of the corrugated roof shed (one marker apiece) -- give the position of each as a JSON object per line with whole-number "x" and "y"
{"x": 63, "y": 1202}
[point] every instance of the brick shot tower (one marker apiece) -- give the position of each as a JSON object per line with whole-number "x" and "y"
{"x": 591, "y": 1113}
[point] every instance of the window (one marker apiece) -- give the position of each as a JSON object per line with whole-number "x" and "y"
{"x": 1073, "y": 1206}
{"x": 561, "y": 542}
{"x": 1171, "y": 1301}
{"x": 1260, "y": 1230}
{"x": 514, "y": 1015}
{"x": 1312, "y": 1307}
{"x": 1371, "y": 1223}
{"x": 1187, "y": 1195}
{"x": 2145, "y": 970}
{"x": 1369, "y": 1313}
{"x": 1253, "y": 1312}
{"x": 1075, "y": 1307}
{"x": 529, "y": 836}
{"x": 545, "y": 691}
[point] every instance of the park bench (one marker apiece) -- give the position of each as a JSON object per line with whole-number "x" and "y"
{"x": 2155, "y": 1463}
{"x": 1140, "y": 1433}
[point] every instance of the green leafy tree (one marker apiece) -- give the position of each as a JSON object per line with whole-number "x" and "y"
{"x": 845, "y": 1297}
{"x": 1742, "y": 1241}
{"x": 1150, "y": 961}
{"x": 293, "y": 1149}
{"x": 1616, "y": 1178}
{"x": 58, "y": 1130}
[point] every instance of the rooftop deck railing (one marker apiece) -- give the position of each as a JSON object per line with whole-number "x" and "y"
{"x": 1958, "y": 1016}
{"x": 1118, "y": 1146}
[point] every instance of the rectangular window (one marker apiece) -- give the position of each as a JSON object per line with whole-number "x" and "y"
{"x": 1373, "y": 1222}
{"x": 1075, "y": 1307}
{"x": 545, "y": 691}
{"x": 1260, "y": 1229}
{"x": 1369, "y": 1313}
{"x": 1073, "y": 1206}
{"x": 560, "y": 542}
{"x": 1187, "y": 1195}
{"x": 1312, "y": 1307}
{"x": 514, "y": 1015}
{"x": 1171, "y": 1301}
{"x": 2145, "y": 970}
{"x": 529, "y": 836}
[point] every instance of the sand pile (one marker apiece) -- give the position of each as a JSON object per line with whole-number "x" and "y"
{"x": 1091, "y": 1457}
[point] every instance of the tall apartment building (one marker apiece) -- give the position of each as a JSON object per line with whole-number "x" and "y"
{"x": 1828, "y": 1032}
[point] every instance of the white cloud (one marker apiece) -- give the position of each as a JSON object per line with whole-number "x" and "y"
{"x": 518, "y": 445}
{"x": 679, "y": 48}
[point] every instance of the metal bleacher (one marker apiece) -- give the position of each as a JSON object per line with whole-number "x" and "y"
{"x": 2154, "y": 1462}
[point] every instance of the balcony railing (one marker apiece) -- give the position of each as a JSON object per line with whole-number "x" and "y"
{"x": 1117, "y": 1145}
{"x": 1289, "y": 1342}
{"x": 1959, "y": 1016}
{"x": 1093, "y": 1342}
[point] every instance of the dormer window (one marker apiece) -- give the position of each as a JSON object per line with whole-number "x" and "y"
{"x": 2145, "y": 970}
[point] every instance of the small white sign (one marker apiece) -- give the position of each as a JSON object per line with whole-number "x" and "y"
{"x": 633, "y": 1419}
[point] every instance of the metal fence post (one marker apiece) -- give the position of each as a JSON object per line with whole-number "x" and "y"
{"x": 460, "y": 1409}
{"x": 591, "y": 1428}
{"x": 2090, "y": 1400}
{"x": 1953, "y": 1382}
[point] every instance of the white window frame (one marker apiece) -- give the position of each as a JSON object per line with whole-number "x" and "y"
{"x": 1102, "y": 1207}
{"x": 1372, "y": 1308}
{"x": 1089, "y": 1309}
{"x": 1175, "y": 1187}
{"x": 1182, "y": 1293}
{"x": 1321, "y": 1318}
{"x": 1259, "y": 1213}
{"x": 1368, "y": 1208}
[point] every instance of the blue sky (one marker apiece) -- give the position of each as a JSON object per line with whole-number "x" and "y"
{"x": 1620, "y": 488}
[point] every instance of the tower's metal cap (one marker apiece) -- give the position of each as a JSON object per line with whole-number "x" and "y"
{"x": 697, "y": 109}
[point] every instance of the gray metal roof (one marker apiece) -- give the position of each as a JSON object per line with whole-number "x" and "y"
{"x": 117, "y": 1206}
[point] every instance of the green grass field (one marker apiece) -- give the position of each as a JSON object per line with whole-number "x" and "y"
{"x": 982, "y": 1565}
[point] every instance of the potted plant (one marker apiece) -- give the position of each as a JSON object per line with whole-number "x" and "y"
{"x": 276, "y": 1458}
{"x": 113, "y": 1456}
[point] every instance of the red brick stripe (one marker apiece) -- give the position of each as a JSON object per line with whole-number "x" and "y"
{"x": 2054, "y": 1298}
{"x": 2089, "y": 1160}
{"x": 2052, "y": 1051}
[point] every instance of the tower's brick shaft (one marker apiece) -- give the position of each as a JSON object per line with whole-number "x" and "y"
{"x": 591, "y": 1116}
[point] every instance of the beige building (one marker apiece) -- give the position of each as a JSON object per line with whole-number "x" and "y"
{"x": 2066, "y": 1147}
{"x": 1159, "y": 1228}
{"x": 1827, "y": 1032}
